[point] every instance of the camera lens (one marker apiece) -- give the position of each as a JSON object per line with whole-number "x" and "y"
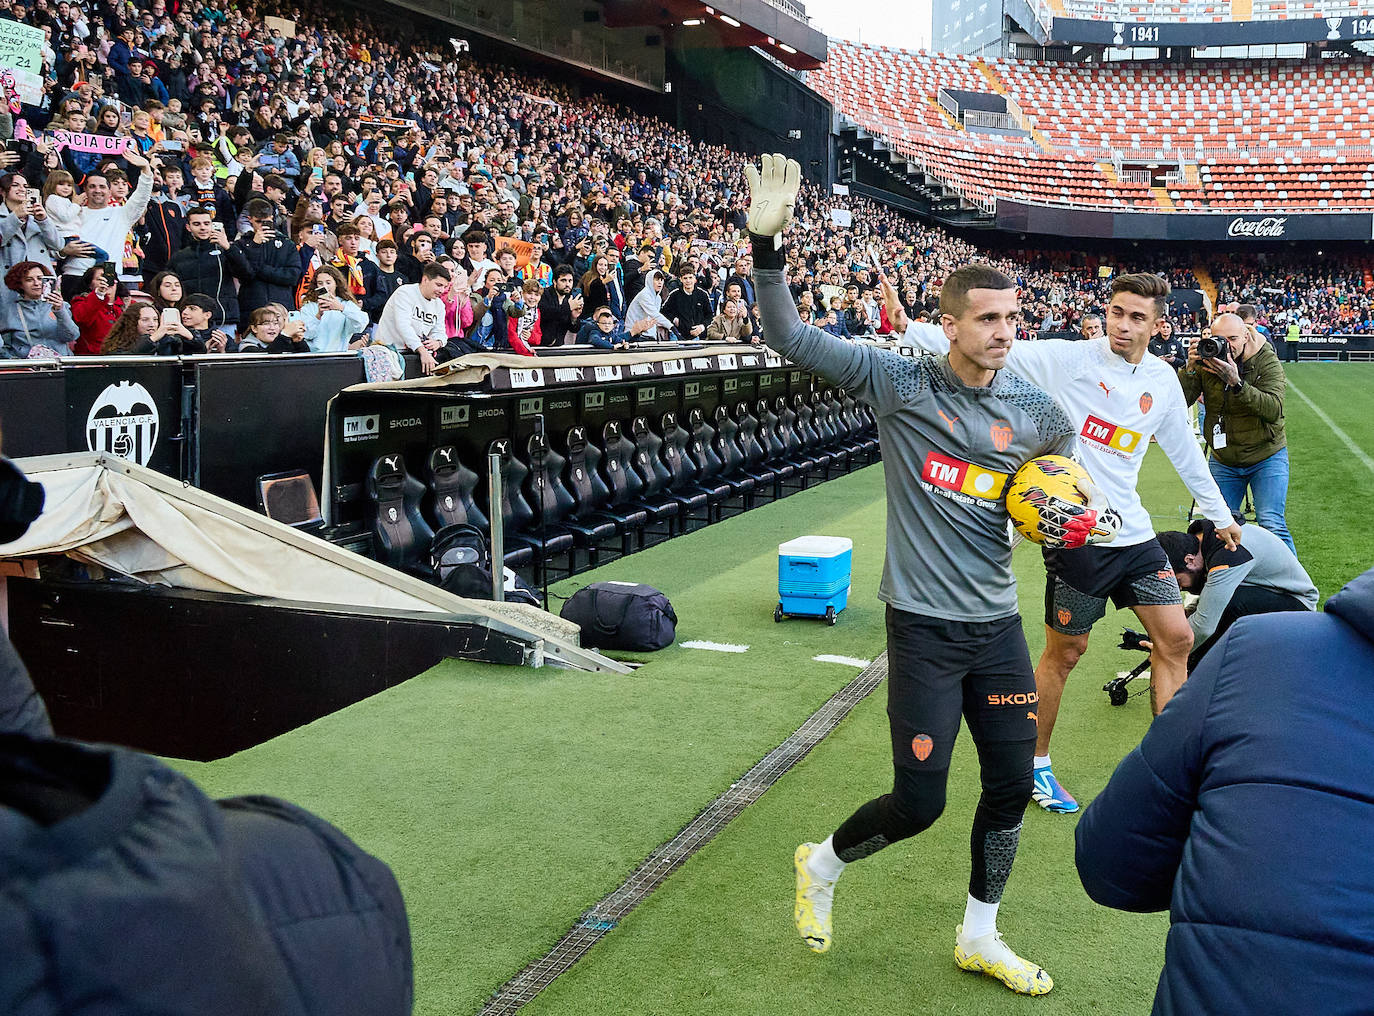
{"x": 1209, "y": 347}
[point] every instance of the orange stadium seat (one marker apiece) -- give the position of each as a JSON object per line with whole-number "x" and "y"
{"x": 1273, "y": 134}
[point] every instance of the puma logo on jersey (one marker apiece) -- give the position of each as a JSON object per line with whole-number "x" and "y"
{"x": 948, "y": 422}
{"x": 1105, "y": 390}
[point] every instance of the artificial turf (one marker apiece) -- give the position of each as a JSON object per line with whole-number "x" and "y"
{"x": 508, "y": 801}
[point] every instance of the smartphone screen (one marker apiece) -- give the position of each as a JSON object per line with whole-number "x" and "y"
{"x": 171, "y": 316}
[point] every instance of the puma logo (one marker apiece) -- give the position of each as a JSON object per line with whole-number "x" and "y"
{"x": 446, "y": 454}
{"x": 948, "y": 422}
{"x": 392, "y": 461}
{"x": 1107, "y": 391}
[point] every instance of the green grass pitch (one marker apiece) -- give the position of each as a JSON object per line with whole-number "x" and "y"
{"x": 508, "y": 801}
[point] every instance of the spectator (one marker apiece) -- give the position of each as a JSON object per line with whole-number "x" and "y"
{"x": 413, "y": 319}
{"x": 208, "y": 264}
{"x": 380, "y": 280}
{"x": 105, "y": 225}
{"x": 1167, "y": 346}
{"x": 96, "y": 309}
{"x": 198, "y": 314}
{"x": 687, "y": 308}
{"x": 732, "y": 324}
{"x": 603, "y": 331}
{"x": 522, "y": 330}
{"x": 333, "y": 320}
{"x": 133, "y": 331}
{"x": 36, "y": 322}
{"x": 273, "y": 263}
{"x": 1216, "y": 788}
{"x": 1091, "y": 327}
{"x": 166, "y": 291}
{"x": 555, "y": 311}
{"x": 648, "y": 303}
{"x": 27, "y": 235}
{"x": 1244, "y": 429}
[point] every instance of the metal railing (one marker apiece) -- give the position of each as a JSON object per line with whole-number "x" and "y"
{"x": 979, "y": 118}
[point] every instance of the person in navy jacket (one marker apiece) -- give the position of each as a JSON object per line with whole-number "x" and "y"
{"x": 1247, "y": 811}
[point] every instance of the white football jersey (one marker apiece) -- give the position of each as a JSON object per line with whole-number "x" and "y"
{"x": 1115, "y": 407}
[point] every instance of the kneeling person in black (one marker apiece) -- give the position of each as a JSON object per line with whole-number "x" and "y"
{"x": 1262, "y": 576}
{"x": 954, "y": 430}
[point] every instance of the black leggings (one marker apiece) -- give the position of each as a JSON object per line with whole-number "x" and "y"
{"x": 940, "y": 670}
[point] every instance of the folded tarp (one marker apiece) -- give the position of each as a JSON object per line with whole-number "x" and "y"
{"x": 135, "y": 522}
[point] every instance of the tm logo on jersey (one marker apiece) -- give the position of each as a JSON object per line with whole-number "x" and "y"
{"x": 962, "y": 481}
{"x": 1109, "y": 437}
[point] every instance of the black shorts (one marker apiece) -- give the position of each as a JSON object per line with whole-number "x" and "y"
{"x": 1079, "y": 582}
{"x": 939, "y": 670}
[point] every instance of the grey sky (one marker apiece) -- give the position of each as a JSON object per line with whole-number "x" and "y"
{"x": 902, "y": 23}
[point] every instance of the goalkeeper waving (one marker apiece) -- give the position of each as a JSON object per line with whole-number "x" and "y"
{"x": 954, "y": 430}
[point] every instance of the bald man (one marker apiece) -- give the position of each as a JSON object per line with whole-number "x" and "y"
{"x": 1244, "y": 393}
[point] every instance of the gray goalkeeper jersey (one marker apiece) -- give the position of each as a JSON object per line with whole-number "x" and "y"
{"x": 949, "y": 453}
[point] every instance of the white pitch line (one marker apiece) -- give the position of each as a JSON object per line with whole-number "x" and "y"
{"x": 1355, "y": 449}
{"x": 848, "y": 661}
{"x": 715, "y": 647}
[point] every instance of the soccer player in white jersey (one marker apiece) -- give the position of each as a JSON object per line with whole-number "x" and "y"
{"x": 1118, "y": 396}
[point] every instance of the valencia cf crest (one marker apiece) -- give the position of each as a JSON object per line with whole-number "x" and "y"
{"x": 1065, "y": 616}
{"x": 123, "y": 421}
{"x": 1146, "y": 401}
{"x": 921, "y": 746}
{"x": 1001, "y": 435}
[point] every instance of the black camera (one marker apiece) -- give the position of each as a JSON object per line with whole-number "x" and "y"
{"x": 1209, "y": 347}
{"x": 1132, "y": 639}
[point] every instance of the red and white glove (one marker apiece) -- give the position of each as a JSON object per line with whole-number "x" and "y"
{"x": 1068, "y": 526}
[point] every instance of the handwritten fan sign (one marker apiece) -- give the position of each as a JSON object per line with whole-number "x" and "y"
{"x": 520, "y": 248}
{"x": 20, "y": 47}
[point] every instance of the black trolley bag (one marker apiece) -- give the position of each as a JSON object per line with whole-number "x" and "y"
{"x": 622, "y": 615}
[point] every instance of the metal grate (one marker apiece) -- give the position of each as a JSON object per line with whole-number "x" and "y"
{"x": 593, "y": 925}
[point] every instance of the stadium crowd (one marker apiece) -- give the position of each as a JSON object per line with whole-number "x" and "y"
{"x": 310, "y": 184}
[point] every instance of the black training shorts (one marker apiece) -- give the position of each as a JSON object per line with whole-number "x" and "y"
{"x": 939, "y": 670}
{"x": 1079, "y": 582}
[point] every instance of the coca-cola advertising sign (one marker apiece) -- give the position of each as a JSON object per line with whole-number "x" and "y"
{"x": 1269, "y": 228}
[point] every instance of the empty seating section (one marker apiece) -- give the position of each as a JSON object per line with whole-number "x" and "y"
{"x": 1281, "y": 135}
{"x": 1279, "y": 104}
{"x": 1250, "y": 183}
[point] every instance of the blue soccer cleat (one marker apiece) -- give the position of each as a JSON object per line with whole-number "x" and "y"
{"x": 1050, "y": 795}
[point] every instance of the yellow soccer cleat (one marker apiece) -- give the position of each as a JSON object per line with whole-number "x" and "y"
{"x": 814, "y": 900}
{"x": 990, "y": 955}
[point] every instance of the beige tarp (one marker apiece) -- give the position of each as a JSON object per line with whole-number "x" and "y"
{"x": 135, "y": 522}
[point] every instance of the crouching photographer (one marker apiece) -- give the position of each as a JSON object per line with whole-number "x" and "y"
{"x": 1240, "y": 380}
{"x": 1261, "y": 576}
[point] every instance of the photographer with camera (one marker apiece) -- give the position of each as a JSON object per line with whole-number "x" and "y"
{"x": 1239, "y": 378}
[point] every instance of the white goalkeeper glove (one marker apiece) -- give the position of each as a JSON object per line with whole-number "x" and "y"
{"x": 772, "y": 195}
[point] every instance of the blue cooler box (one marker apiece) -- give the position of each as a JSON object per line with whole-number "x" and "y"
{"x": 813, "y": 577}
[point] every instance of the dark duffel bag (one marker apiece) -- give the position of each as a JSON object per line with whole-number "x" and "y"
{"x": 622, "y": 615}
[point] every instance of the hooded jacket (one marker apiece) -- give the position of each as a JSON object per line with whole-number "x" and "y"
{"x": 1246, "y": 812}
{"x": 123, "y": 888}
{"x": 206, "y": 268}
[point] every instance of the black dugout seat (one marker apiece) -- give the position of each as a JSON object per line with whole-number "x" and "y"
{"x": 695, "y": 503}
{"x": 451, "y": 486}
{"x": 550, "y": 503}
{"x": 754, "y": 455}
{"x": 515, "y": 511}
{"x": 732, "y": 462}
{"x": 655, "y": 477}
{"x": 775, "y": 451}
{"x": 398, "y": 526}
{"x": 703, "y": 450}
{"x": 590, "y": 523}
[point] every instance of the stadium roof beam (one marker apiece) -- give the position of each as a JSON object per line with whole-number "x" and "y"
{"x": 778, "y": 27}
